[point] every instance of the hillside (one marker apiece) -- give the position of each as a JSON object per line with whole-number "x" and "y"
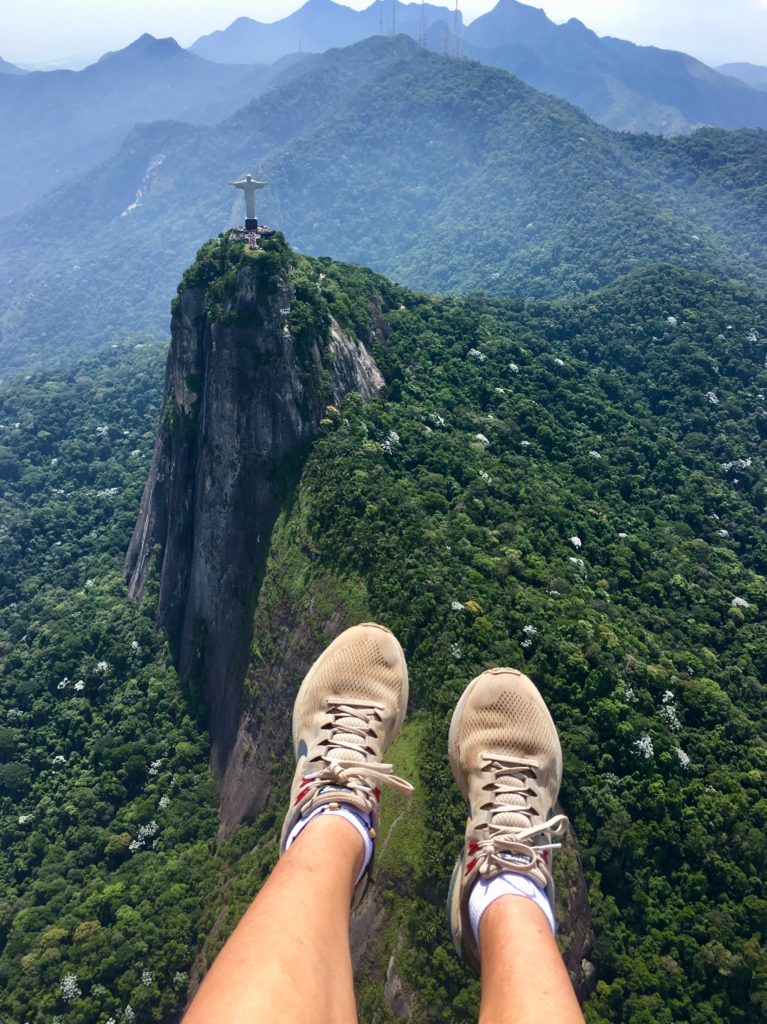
{"x": 621, "y": 85}
{"x": 576, "y": 488}
{"x": 444, "y": 174}
{"x": 80, "y": 117}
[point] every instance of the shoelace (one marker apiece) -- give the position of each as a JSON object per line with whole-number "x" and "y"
{"x": 508, "y": 841}
{"x": 352, "y": 724}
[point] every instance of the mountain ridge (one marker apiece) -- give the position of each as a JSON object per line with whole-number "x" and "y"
{"x": 320, "y": 25}
{"x": 408, "y": 152}
{"x": 81, "y": 117}
{"x": 754, "y": 75}
{"x": 657, "y": 90}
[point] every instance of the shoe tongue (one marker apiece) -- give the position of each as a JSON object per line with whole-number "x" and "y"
{"x": 352, "y": 738}
{"x": 510, "y": 817}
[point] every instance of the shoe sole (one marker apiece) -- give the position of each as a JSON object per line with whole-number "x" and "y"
{"x": 454, "y": 917}
{"x": 342, "y": 639}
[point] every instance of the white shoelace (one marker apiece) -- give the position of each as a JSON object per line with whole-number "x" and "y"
{"x": 508, "y": 844}
{"x": 345, "y": 764}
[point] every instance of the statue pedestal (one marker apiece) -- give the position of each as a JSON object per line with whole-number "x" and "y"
{"x": 251, "y": 224}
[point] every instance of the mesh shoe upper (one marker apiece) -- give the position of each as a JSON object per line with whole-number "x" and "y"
{"x": 506, "y": 758}
{"x": 348, "y": 711}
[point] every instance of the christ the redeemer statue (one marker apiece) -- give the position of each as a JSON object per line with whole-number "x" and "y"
{"x": 250, "y": 186}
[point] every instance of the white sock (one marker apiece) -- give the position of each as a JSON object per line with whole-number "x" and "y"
{"x": 508, "y": 883}
{"x": 359, "y": 819}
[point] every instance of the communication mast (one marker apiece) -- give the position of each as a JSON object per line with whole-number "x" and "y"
{"x": 457, "y": 30}
{"x": 422, "y": 37}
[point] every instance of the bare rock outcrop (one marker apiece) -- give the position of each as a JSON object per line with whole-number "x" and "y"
{"x": 246, "y": 385}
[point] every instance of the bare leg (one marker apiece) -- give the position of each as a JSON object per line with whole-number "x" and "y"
{"x": 288, "y": 959}
{"x": 524, "y": 980}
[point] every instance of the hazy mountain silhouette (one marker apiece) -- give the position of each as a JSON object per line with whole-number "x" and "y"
{"x": 69, "y": 120}
{"x": 322, "y": 24}
{"x": 446, "y": 174}
{"x": 754, "y": 75}
{"x": 619, "y": 84}
{"x": 6, "y": 68}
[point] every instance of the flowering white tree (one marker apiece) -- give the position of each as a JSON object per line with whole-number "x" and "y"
{"x": 644, "y": 747}
{"x": 668, "y": 711}
{"x": 684, "y": 759}
{"x": 69, "y": 987}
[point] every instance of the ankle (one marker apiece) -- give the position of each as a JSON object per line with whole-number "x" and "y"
{"x": 484, "y": 894}
{"x": 357, "y": 820}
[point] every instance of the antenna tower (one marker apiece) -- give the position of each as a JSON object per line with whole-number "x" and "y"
{"x": 394, "y": 17}
{"x": 380, "y": 17}
{"x": 422, "y": 37}
{"x": 457, "y": 30}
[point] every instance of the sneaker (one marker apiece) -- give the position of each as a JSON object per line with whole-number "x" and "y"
{"x": 506, "y": 758}
{"x": 348, "y": 712}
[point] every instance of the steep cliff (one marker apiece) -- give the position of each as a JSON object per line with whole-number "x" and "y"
{"x": 256, "y": 356}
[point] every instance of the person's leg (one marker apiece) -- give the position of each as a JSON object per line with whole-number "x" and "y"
{"x": 288, "y": 959}
{"x": 506, "y": 758}
{"x": 524, "y": 980}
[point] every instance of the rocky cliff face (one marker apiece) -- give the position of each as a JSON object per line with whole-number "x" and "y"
{"x": 253, "y": 362}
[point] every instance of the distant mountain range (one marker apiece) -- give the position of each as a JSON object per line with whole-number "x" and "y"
{"x": 447, "y": 175}
{"x": 322, "y": 24}
{"x": 621, "y": 85}
{"x": 752, "y": 74}
{"x": 74, "y": 119}
{"x": 64, "y": 122}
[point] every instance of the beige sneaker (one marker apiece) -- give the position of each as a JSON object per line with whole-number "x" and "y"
{"x": 348, "y": 711}
{"x": 507, "y": 761}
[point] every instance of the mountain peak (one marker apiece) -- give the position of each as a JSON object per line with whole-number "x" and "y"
{"x": 519, "y": 10}
{"x": 508, "y": 16}
{"x": 145, "y": 46}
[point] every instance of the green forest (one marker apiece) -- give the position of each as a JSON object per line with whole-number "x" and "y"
{"x": 107, "y": 813}
{"x": 575, "y": 487}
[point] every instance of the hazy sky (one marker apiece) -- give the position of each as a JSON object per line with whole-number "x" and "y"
{"x": 38, "y": 31}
